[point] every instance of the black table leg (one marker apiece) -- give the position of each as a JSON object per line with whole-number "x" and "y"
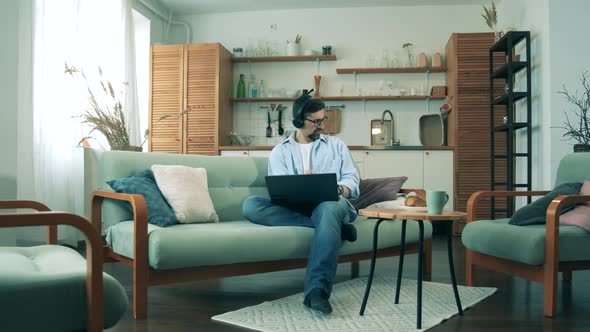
{"x": 452, "y": 266}
{"x": 402, "y": 250}
{"x": 420, "y": 274}
{"x": 372, "y": 270}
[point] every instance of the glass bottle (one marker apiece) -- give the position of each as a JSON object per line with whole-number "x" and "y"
{"x": 252, "y": 88}
{"x": 261, "y": 89}
{"x": 241, "y": 87}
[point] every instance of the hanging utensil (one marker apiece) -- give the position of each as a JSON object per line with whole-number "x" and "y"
{"x": 268, "y": 128}
{"x": 281, "y": 130}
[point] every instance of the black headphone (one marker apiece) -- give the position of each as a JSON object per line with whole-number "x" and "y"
{"x": 298, "y": 107}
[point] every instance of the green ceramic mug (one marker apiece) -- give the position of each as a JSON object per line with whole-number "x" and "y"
{"x": 436, "y": 200}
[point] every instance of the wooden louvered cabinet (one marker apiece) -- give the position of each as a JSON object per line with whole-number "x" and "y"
{"x": 469, "y": 120}
{"x": 190, "y": 106}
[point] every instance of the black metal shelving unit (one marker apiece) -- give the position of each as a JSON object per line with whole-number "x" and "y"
{"x": 507, "y": 71}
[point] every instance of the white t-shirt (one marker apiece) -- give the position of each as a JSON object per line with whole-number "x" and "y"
{"x": 305, "y": 150}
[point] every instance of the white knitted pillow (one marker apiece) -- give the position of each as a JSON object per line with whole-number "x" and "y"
{"x": 185, "y": 188}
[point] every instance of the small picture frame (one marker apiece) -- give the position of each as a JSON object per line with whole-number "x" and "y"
{"x": 380, "y": 133}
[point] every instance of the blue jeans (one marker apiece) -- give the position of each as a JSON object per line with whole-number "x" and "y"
{"x": 327, "y": 219}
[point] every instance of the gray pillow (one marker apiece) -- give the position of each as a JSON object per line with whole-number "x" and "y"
{"x": 536, "y": 212}
{"x": 378, "y": 190}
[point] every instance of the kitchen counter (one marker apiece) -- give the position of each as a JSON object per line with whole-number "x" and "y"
{"x": 351, "y": 147}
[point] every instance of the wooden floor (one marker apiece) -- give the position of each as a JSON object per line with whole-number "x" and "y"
{"x": 517, "y": 306}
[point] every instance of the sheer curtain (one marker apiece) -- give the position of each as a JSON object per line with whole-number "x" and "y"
{"x": 87, "y": 34}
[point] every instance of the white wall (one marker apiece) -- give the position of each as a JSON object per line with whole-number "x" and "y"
{"x": 569, "y": 57}
{"x": 354, "y": 33}
{"x": 558, "y": 57}
{"x": 158, "y": 30}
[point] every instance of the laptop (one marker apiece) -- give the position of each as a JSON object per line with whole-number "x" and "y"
{"x": 302, "y": 192}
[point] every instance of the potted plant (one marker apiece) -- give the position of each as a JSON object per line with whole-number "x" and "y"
{"x": 490, "y": 15}
{"x": 105, "y": 113}
{"x": 578, "y": 128}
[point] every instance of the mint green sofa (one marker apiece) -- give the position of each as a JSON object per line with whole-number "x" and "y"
{"x": 234, "y": 246}
{"x": 534, "y": 252}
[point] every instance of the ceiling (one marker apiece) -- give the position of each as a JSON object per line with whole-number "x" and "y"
{"x": 188, "y": 7}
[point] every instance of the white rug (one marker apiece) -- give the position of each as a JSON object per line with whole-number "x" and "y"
{"x": 381, "y": 314}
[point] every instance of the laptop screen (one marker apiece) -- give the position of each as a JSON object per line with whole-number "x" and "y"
{"x": 302, "y": 190}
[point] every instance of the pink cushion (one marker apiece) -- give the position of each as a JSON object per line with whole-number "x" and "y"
{"x": 580, "y": 215}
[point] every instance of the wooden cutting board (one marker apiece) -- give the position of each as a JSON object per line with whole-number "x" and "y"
{"x": 332, "y": 125}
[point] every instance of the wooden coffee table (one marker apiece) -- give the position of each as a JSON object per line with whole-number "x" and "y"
{"x": 391, "y": 214}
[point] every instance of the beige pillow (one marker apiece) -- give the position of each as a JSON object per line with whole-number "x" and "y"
{"x": 580, "y": 215}
{"x": 185, "y": 188}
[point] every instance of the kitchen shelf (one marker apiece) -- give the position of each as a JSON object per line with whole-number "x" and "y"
{"x": 338, "y": 98}
{"x": 347, "y": 98}
{"x": 400, "y": 70}
{"x": 350, "y": 147}
{"x": 502, "y": 72}
{"x": 284, "y": 58}
{"x": 262, "y": 99}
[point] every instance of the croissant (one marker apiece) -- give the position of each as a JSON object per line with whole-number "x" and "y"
{"x": 415, "y": 201}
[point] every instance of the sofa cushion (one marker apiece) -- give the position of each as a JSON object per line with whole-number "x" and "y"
{"x": 535, "y": 213}
{"x": 378, "y": 190}
{"x": 42, "y": 285}
{"x": 144, "y": 183}
{"x": 185, "y": 188}
{"x": 193, "y": 245}
{"x": 580, "y": 215}
{"x": 524, "y": 244}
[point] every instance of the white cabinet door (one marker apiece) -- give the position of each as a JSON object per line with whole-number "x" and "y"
{"x": 379, "y": 164}
{"x": 235, "y": 153}
{"x": 259, "y": 153}
{"x": 438, "y": 172}
{"x": 359, "y": 158}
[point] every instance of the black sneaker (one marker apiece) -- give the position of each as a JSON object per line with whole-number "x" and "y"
{"x": 348, "y": 232}
{"x": 317, "y": 300}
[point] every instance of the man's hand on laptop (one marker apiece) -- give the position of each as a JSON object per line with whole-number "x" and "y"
{"x": 343, "y": 191}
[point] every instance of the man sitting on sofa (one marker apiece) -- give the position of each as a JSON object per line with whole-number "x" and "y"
{"x": 307, "y": 151}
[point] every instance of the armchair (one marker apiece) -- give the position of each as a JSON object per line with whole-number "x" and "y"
{"x": 52, "y": 287}
{"x": 534, "y": 252}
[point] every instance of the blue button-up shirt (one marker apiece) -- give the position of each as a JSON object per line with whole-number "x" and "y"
{"x": 329, "y": 154}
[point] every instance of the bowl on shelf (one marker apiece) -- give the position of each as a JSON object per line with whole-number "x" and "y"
{"x": 241, "y": 140}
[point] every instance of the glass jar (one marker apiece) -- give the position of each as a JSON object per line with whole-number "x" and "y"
{"x": 238, "y": 51}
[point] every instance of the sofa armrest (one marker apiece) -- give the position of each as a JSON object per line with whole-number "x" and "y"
{"x": 94, "y": 256}
{"x": 475, "y": 198}
{"x": 140, "y": 219}
{"x": 137, "y": 202}
{"x": 51, "y": 237}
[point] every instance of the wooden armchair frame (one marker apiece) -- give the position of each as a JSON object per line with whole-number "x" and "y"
{"x": 546, "y": 273}
{"x": 94, "y": 259}
{"x": 144, "y": 276}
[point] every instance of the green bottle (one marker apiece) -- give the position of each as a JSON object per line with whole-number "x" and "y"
{"x": 241, "y": 87}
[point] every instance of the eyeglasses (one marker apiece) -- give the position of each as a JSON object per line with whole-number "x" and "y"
{"x": 317, "y": 122}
